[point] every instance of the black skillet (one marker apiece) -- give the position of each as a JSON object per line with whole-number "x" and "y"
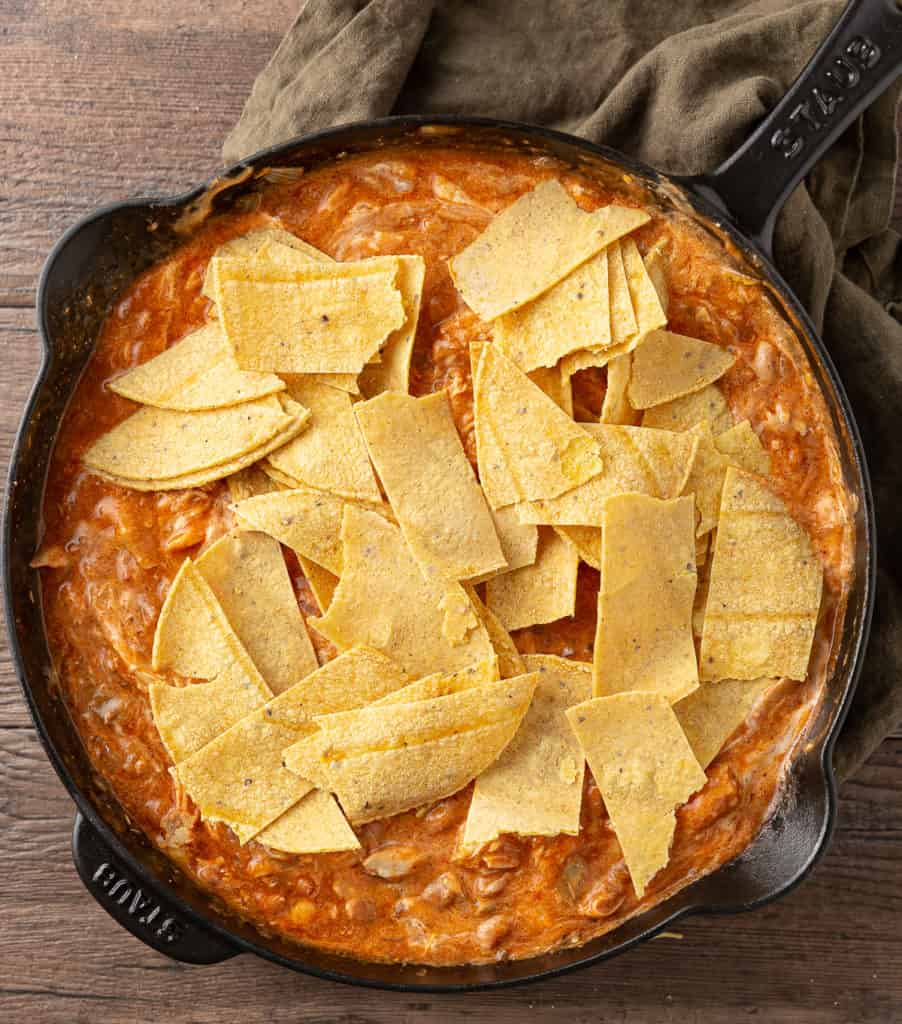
{"x": 739, "y": 202}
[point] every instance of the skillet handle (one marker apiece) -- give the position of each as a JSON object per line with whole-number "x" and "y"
{"x": 858, "y": 61}
{"x": 137, "y": 907}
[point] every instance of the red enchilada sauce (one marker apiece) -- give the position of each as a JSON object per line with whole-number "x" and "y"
{"x": 110, "y": 554}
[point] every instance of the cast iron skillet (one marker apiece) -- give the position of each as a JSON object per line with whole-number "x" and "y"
{"x": 739, "y": 201}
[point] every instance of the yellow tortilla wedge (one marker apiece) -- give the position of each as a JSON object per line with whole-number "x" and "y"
{"x": 430, "y": 484}
{"x": 532, "y": 245}
{"x": 249, "y": 244}
{"x": 382, "y": 760}
{"x": 510, "y": 661}
{"x": 314, "y": 825}
{"x": 554, "y": 383}
{"x": 330, "y": 455}
{"x": 586, "y": 540}
{"x": 441, "y": 684}
{"x": 199, "y": 372}
{"x": 322, "y": 582}
{"x": 685, "y": 412}
{"x": 711, "y": 714}
{"x": 535, "y": 787}
{"x": 616, "y": 408}
{"x": 527, "y": 447}
{"x": 667, "y": 366}
{"x": 636, "y": 460}
{"x": 392, "y": 373}
{"x": 752, "y": 630}
{"x": 542, "y": 592}
{"x": 645, "y": 769}
{"x": 383, "y": 600}
{"x": 247, "y": 574}
{"x": 643, "y": 639}
{"x": 741, "y": 445}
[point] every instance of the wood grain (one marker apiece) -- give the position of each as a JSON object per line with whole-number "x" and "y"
{"x": 102, "y": 99}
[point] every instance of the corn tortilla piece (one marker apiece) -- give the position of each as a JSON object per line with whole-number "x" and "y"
{"x": 643, "y": 638}
{"x": 656, "y": 264}
{"x": 248, "y": 483}
{"x": 218, "y": 472}
{"x": 322, "y": 582}
{"x": 753, "y": 630}
{"x": 542, "y": 592}
{"x": 325, "y": 318}
{"x": 711, "y": 714}
{"x": 684, "y": 413}
{"x": 586, "y": 540}
{"x": 571, "y": 315}
{"x": 741, "y": 445}
{"x": 392, "y": 373}
{"x": 555, "y": 384}
{"x": 382, "y": 760}
{"x": 306, "y": 520}
{"x": 510, "y": 661}
{"x": 616, "y": 408}
{"x": 189, "y": 717}
{"x": 193, "y": 636}
{"x": 532, "y": 245}
{"x": 330, "y": 454}
{"x": 314, "y": 825}
{"x": 519, "y": 541}
{"x": 238, "y": 778}
{"x": 198, "y": 372}
{"x": 430, "y": 484}
{"x": 249, "y": 244}
{"x": 383, "y": 600}
{"x": 440, "y": 684}
{"x": 527, "y": 447}
{"x": 667, "y": 366}
{"x": 653, "y": 462}
{"x": 647, "y": 308}
{"x": 705, "y": 480}
{"x": 535, "y": 787}
{"x": 644, "y": 768}
{"x": 156, "y": 444}
{"x": 247, "y": 574}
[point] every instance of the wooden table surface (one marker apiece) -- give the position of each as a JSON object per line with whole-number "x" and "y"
{"x": 103, "y": 99}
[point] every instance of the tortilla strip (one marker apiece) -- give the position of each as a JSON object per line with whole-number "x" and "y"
{"x": 750, "y": 630}
{"x": 510, "y": 661}
{"x": 647, "y": 307}
{"x": 382, "y": 760}
{"x": 314, "y": 825}
{"x": 322, "y": 318}
{"x": 306, "y": 520}
{"x": 571, "y": 315}
{"x": 653, "y": 462}
{"x": 189, "y": 717}
{"x": 643, "y": 639}
{"x": 656, "y": 265}
{"x": 248, "y": 483}
{"x": 527, "y": 447}
{"x": 668, "y": 366}
{"x": 247, "y": 574}
{"x": 542, "y": 592}
{"x": 157, "y": 444}
{"x": 644, "y": 768}
{"x": 685, "y": 412}
{"x": 742, "y": 446}
{"x": 393, "y": 372}
{"x": 519, "y": 542}
{"x": 441, "y": 684}
{"x": 322, "y": 582}
{"x": 239, "y": 779}
{"x": 430, "y": 484}
{"x": 249, "y": 244}
{"x": 198, "y": 372}
{"x": 383, "y": 600}
{"x": 711, "y": 714}
{"x": 616, "y": 408}
{"x": 532, "y": 245}
{"x": 586, "y": 540}
{"x": 550, "y": 379}
{"x": 330, "y": 455}
{"x": 218, "y": 472}
{"x": 535, "y": 787}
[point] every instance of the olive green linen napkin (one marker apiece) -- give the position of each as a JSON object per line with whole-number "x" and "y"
{"x": 679, "y": 86}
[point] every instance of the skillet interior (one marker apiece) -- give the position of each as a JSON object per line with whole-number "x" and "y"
{"x": 91, "y": 265}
